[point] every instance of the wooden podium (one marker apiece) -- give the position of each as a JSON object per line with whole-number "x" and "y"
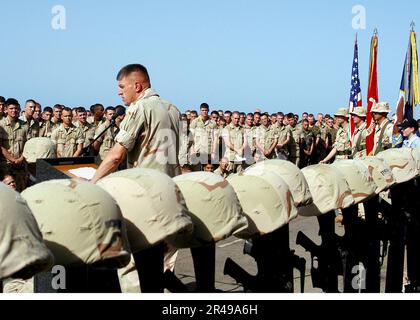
{"x": 58, "y": 168}
{"x": 81, "y": 279}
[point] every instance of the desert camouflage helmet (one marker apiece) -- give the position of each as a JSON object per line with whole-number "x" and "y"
{"x": 80, "y": 222}
{"x": 359, "y": 111}
{"x": 291, "y": 175}
{"x": 380, "y": 107}
{"x": 359, "y": 179}
{"x": 213, "y": 205}
{"x": 152, "y": 205}
{"x": 266, "y": 201}
{"x": 342, "y": 112}
{"x": 329, "y": 189}
{"x": 402, "y": 163}
{"x": 23, "y": 252}
{"x": 416, "y": 156}
{"x": 39, "y": 148}
{"x": 380, "y": 172}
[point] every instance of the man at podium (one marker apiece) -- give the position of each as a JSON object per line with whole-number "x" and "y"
{"x": 148, "y": 134}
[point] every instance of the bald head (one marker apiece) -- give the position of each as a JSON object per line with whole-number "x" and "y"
{"x": 133, "y": 80}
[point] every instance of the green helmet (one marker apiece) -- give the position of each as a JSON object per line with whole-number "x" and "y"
{"x": 381, "y": 173}
{"x": 291, "y": 175}
{"x": 265, "y": 199}
{"x": 329, "y": 189}
{"x": 402, "y": 163}
{"x": 152, "y": 205}
{"x": 23, "y": 252}
{"x": 80, "y": 222}
{"x": 359, "y": 179}
{"x": 39, "y": 148}
{"x": 213, "y": 205}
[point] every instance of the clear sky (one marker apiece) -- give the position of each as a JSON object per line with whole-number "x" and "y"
{"x": 276, "y": 55}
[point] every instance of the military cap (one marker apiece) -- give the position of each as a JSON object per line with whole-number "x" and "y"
{"x": 359, "y": 179}
{"x": 409, "y": 123}
{"x": 380, "y": 107}
{"x": 39, "y": 148}
{"x": 23, "y": 252}
{"x": 265, "y": 199}
{"x": 359, "y": 111}
{"x": 342, "y": 112}
{"x": 402, "y": 163}
{"x": 80, "y": 222}
{"x": 213, "y": 206}
{"x": 293, "y": 177}
{"x": 329, "y": 189}
{"x": 381, "y": 173}
{"x": 152, "y": 205}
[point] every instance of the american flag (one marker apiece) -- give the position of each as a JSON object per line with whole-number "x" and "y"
{"x": 355, "y": 92}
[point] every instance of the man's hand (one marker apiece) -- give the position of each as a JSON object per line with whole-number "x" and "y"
{"x": 111, "y": 162}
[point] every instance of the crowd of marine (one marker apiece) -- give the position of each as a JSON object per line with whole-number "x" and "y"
{"x": 220, "y": 141}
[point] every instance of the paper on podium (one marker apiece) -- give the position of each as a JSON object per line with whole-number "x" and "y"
{"x": 85, "y": 172}
{"x": 238, "y": 158}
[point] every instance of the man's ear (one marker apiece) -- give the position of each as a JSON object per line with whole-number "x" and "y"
{"x": 138, "y": 86}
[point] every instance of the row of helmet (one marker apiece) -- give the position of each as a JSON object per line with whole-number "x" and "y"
{"x": 70, "y": 223}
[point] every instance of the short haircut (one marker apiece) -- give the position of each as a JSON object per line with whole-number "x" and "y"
{"x": 67, "y": 109}
{"x": 250, "y": 114}
{"x": 280, "y": 114}
{"x": 305, "y": 120}
{"x": 11, "y": 101}
{"x": 236, "y": 112}
{"x": 109, "y": 108}
{"x": 119, "y": 107}
{"x": 228, "y": 111}
{"x": 193, "y": 111}
{"x": 214, "y": 112}
{"x": 290, "y": 115}
{"x": 257, "y": 113}
{"x": 304, "y": 113}
{"x": 129, "y": 69}
{"x": 274, "y": 115}
{"x": 204, "y": 106}
{"x": 242, "y": 114}
{"x": 58, "y": 106}
{"x": 95, "y": 106}
{"x": 320, "y": 114}
{"x": 29, "y": 101}
{"x": 311, "y": 115}
{"x": 48, "y": 109}
{"x": 80, "y": 109}
{"x": 2, "y": 99}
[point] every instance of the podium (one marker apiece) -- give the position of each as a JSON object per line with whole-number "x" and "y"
{"x": 59, "y": 168}
{"x": 80, "y": 279}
